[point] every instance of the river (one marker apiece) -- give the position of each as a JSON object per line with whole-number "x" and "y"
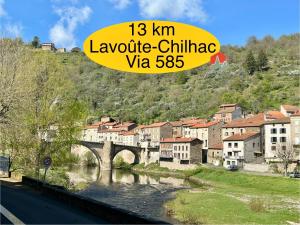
{"x": 140, "y": 193}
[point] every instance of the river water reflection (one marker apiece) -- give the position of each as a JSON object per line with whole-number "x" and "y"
{"x": 142, "y": 194}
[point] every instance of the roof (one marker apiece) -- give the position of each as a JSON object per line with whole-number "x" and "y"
{"x": 229, "y": 110}
{"x": 274, "y": 115}
{"x": 241, "y": 137}
{"x": 159, "y": 124}
{"x": 176, "y": 123}
{"x": 216, "y": 146}
{"x": 205, "y": 125}
{"x": 125, "y": 124}
{"x": 255, "y": 121}
{"x": 281, "y": 120}
{"x": 128, "y": 133}
{"x": 110, "y": 130}
{"x": 178, "y": 140}
{"x": 291, "y": 108}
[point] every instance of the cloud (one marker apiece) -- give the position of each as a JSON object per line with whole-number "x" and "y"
{"x": 12, "y": 30}
{"x": 173, "y": 9}
{"x": 2, "y": 10}
{"x": 63, "y": 32}
{"x": 120, "y": 4}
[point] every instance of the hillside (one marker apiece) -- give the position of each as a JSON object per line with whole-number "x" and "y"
{"x": 198, "y": 92}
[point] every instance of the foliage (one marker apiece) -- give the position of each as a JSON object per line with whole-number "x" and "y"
{"x": 89, "y": 159}
{"x": 150, "y": 98}
{"x": 250, "y": 63}
{"x": 36, "y": 42}
{"x": 262, "y": 60}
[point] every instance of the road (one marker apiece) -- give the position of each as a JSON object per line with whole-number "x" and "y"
{"x": 27, "y": 206}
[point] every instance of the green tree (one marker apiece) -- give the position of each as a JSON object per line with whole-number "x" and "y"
{"x": 262, "y": 60}
{"x": 250, "y": 63}
{"x": 36, "y": 42}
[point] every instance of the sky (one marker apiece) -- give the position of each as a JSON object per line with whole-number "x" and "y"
{"x": 68, "y": 23}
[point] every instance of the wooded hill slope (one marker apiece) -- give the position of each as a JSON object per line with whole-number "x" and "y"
{"x": 197, "y": 92}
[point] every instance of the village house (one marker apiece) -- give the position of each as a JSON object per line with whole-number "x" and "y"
{"x": 48, "y": 47}
{"x": 228, "y": 112}
{"x": 61, "y": 50}
{"x": 181, "y": 150}
{"x": 295, "y": 133}
{"x": 249, "y": 125}
{"x": 288, "y": 110}
{"x": 177, "y": 128}
{"x": 241, "y": 148}
{"x": 153, "y": 133}
{"x": 277, "y": 137}
{"x": 209, "y": 133}
{"x": 129, "y": 138}
{"x": 188, "y": 123}
{"x": 110, "y": 131}
{"x": 90, "y": 133}
{"x": 215, "y": 154}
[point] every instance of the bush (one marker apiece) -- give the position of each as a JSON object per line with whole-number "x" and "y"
{"x": 257, "y": 205}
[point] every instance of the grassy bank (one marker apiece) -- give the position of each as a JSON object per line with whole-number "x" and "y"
{"x": 232, "y": 197}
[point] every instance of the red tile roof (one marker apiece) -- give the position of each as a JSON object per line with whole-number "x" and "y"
{"x": 159, "y": 124}
{"x": 241, "y": 137}
{"x": 177, "y": 140}
{"x": 274, "y": 115}
{"x": 281, "y": 120}
{"x": 255, "y": 121}
{"x": 216, "y": 146}
{"x": 176, "y": 123}
{"x": 296, "y": 114}
{"x": 205, "y": 125}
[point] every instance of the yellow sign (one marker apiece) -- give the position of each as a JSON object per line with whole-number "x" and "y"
{"x": 151, "y": 46}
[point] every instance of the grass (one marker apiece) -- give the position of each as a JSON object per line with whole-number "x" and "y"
{"x": 216, "y": 208}
{"x": 225, "y": 197}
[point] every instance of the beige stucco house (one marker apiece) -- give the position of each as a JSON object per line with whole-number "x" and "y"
{"x": 228, "y": 112}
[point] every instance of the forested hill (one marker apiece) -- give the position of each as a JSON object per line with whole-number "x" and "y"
{"x": 197, "y": 92}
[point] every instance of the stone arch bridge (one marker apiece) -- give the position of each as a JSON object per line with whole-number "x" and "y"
{"x": 106, "y": 151}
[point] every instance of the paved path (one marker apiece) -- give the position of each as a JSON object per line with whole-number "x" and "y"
{"x": 32, "y": 207}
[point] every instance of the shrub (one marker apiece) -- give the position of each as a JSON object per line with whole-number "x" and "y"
{"x": 89, "y": 159}
{"x": 257, "y": 205}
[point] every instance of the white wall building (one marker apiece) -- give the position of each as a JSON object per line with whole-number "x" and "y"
{"x": 241, "y": 148}
{"x": 277, "y": 135}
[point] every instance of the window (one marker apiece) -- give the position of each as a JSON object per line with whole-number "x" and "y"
{"x": 253, "y": 145}
{"x": 226, "y": 133}
{"x": 229, "y": 145}
{"x": 236, "y": 145}
{"x": 228, "y": 162}
{"x": 283, "y": 148}
{"x": 282, "y": 130}
{"x": 241, "y": 131}
{"x": 187, "y": 148}
{"x": 282, "y": 139}
{"x": 273, "y": 139}
{"x": 236, "y": 153}
{"x": 273, "y": 131}
{"x": 233, "y": 163}
{"x": 179, "y": 148}
{"x": 205, "y": 143}
{"x": 232, "y": 133}
{"x": 175, "y": 147}
{"x": 273, "y": 148}
{"x": 229, "y": 153}
{"x": 213, "y": 154}
{"x": 186, "y": 155}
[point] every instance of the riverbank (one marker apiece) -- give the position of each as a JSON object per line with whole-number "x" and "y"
{"x": 224, "y": 197}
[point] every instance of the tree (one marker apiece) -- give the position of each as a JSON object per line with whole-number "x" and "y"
{"x": 262, "y": 60}
{"x": 36, "y": 42}
{"x": 286, "y": 153}
{"x": 250, "y": 63}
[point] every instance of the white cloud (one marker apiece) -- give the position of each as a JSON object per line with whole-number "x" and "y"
{"x": 120, "y": 4}
{"x": 173, "y": 9}
{"x": 2, "y": 10}
{"x": 63, "y": 32}
{"x": 12, "y": 30}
